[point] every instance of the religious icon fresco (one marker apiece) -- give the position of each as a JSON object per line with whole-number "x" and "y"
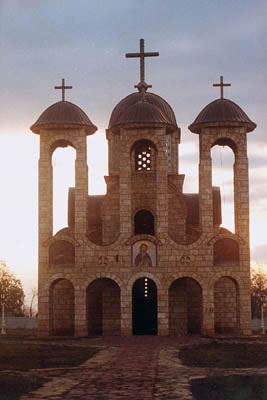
{"x": 144, "y": 254}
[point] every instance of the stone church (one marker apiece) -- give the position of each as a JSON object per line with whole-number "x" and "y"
{"x": 145, "y": 258}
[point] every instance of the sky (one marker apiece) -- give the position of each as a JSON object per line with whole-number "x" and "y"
{"x": 85, "y": 41}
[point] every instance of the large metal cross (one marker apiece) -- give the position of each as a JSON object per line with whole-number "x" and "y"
{"x": 63, "y": 87}
{"x": 142, "y": 86}
{"x": 221, "y": 85}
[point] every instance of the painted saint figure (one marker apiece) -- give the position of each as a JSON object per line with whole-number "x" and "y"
{"x": 143, "y": 259}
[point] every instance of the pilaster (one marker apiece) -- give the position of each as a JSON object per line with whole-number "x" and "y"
{"x": 125, "y": 188}
{"x": 162, "y": 185}
{"x": 241, "y": 197}
{"x": 205, "y": 187}
{"x": 81, "y": 190}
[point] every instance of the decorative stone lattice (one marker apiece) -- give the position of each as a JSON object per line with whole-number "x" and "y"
{"x": 143, "y": 159}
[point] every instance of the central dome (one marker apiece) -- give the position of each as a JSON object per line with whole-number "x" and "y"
{"x": 152, "y": 111}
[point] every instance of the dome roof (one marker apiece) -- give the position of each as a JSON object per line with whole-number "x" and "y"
{"x": 63, "y": 114}
{"x": 152, "y": 111}
{"x": 221, "y": 111}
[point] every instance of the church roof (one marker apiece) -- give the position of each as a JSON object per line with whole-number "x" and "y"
{"x": 63, "y": 114}
{"x": 153, "y": 110}
{"x": 221, "y": 111}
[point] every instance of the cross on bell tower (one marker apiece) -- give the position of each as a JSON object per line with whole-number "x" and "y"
{"x": 221, "y": 85}
{"x": 142, "y": 85}
{"x": 63, "y": 87}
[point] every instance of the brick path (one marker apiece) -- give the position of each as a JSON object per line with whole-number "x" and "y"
{"x": 133, "y": 368}
{"x": 125, "y": 368}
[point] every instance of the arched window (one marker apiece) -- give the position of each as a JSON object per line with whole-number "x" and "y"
{"x": 144, "y": 223}
{"x": 61, "y": 252}
{"x": 144, "y": 155}
{"x": 63, "y": 162}
{"x": 226, "y": 251}
{"x": 223, "y": 157}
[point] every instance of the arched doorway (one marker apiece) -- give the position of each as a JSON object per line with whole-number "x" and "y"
{"x": 103, "y": 307}
{"x": 185, "y": 307}
{"x": 62, "y": 308}
{"x": 144, "y": 307}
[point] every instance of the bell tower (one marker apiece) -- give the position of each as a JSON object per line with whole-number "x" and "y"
{"x": 143, "y": 142}
{"x": 224, "y": 123}
{"x": 60, "y": 125}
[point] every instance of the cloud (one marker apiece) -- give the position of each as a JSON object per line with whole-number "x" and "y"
{"x": 259, "y": 253}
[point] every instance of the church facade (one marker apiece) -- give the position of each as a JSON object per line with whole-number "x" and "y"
{"x": 145, "y": 258}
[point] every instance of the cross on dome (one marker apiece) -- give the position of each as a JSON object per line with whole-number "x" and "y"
{"x": 63, "y": 87}
{"x": 142, "y": 85}
{"x": 221, "y": 85}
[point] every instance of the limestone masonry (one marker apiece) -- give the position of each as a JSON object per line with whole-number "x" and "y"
{"x": 145, "y": 258}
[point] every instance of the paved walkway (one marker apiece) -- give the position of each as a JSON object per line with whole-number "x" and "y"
{"x": 125, "y": 368}
{"x": 133, "y": 368}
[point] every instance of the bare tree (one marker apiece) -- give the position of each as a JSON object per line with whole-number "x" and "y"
{"x": 258, "y": 290}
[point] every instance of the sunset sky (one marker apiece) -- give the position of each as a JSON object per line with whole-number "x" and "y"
{"x": 85, "y": 42}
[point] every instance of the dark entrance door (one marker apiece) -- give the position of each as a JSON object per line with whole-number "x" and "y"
{"x": 144, "y": 307}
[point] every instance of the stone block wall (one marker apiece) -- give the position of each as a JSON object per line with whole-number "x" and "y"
{"x": 226, "y": 302}
{"x": 111, "y": 311}
{"x": 62, "y": 304}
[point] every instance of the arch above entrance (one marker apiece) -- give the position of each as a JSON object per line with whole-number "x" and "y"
{"x": 142, "y": 275}
{"x": 192, "y": 275}
{"x": 107, "y": 275}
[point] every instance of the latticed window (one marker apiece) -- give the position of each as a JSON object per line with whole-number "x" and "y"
{"x": 143, "y": 156}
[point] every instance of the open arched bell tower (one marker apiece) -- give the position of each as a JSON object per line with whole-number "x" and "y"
{"x": 60, "y": 125}
{"x": 224, "y": 123}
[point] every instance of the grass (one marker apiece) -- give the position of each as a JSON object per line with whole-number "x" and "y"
{"x": 16, "y": 355}
{"x": 19, "y": 356}
{"x": 234, "y": 387}
{"x": 12, "y": 387}
{"x": 225, "y": 355}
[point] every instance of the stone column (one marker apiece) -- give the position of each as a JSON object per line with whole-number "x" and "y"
{"x": 205, "y": 187}
{"x": 125, "y": 188}
{"x": 44, "y": 315}
{"x": 163, "y": 312}
{"x": 241, "y": 197}
{"x": 81, "y": 190}
{"x": 245, "y": 309}
{"x": 208, "y": 328}
{"x": 126, "y": 312}
{"x": 162, "y": 186}
{"x": 45, "y": 230}
{"x": 81, "y": 323}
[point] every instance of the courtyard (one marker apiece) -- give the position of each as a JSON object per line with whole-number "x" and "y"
{"x": 138, "y": 367}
